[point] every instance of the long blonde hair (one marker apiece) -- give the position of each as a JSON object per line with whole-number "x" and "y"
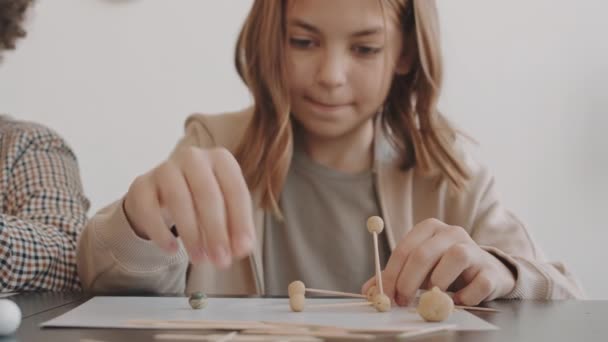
{"x": 411, "y": 121}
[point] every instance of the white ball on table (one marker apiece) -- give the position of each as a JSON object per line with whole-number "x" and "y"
{"x": 10, "y": 317}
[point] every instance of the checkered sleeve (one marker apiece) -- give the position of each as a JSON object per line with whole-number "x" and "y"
{"x": 43, "y": 212}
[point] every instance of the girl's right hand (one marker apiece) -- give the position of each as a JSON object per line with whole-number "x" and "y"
{"x": 201, "y": 191}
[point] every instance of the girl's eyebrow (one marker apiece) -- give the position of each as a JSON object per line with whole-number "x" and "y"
{"x": 311, "y": 28}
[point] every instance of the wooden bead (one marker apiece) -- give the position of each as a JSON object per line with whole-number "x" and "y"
{"x": 382, "y": 303}
{"x": 296, "y": 287}
{"x": 435, "y": 305}
{"x": 296, "y": 302}
{"x": 371, "y": 293}
{"x": 197, "y": 300}
{"x": 375, "y": 224}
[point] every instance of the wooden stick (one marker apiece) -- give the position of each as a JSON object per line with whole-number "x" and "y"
{"x": 180, "y": 337}
{"x": 339, "y": 305}
{"x": 337, "y": 293}
{"x": 184, "y": 321}
{"x": 197, "y": 325}
{"x": 200, "y": 325}
{"x": 425, "y": 331}
{"x": 179, "y": 321}
{"x": 304, "y": 326}
{"x": 377, "y": 259}
{"x": 240, "y": 338}
{"x": 475, "y": 308}
{"x": 322, "y": 334}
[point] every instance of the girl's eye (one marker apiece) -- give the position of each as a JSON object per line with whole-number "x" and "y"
{"x": 301, "y": 43}
{"x": 366, "y": 50}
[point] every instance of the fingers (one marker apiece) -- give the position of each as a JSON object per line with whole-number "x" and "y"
{"x": 440, "y": 254}
{"x": 478, "y": 290}
{"x": 146, "y": 209}
{"x": 205, "y": 194}
{"x": 174, "y": 194}
{"x": 455, "y": 260}
{"x": 238, "y": 203}
{"x": 210, "y": 207}
{"x": 420, "y": 233}
{"x": 421, "y": 261}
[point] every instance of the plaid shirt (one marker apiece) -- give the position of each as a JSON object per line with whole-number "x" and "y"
{"x": 42, "y": 209}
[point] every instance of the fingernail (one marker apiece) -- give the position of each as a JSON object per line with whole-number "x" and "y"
{"x": 401, "y": 300}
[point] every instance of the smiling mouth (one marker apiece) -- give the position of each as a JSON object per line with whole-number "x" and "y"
{"x": 326, "y": 105}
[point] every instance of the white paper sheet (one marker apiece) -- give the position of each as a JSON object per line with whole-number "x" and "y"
{"x": 115, "y": 312}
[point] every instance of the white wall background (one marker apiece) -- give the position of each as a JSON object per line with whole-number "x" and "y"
{"x": 524, "y": 77}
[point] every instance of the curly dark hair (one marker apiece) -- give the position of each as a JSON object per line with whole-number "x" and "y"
{"x": 12, "y": 14}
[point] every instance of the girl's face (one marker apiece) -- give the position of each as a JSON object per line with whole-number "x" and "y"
{"x": 341, "y": 56}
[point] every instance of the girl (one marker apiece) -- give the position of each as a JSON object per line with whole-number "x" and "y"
{"x": 344, "y": 126}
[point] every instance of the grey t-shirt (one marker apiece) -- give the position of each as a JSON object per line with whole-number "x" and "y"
{"x": 323, "y": 240}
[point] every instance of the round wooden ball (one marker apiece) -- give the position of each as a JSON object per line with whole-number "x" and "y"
{"x": 382, "y": 303}
{"x": 435, "y": 305}
{"x": 296, "y": 302}
{"x": 296, "y": 287}
{"x": 375, "y": 224}
{"x": 197, "y": 300}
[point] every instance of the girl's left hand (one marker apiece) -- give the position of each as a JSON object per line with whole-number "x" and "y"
{"x": 436, "y": 254}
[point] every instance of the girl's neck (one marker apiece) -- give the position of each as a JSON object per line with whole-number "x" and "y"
{"x": 349, "y": 153}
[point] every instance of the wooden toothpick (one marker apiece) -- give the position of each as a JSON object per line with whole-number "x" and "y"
{"x": 475, "y": 308}
{"x": 336, "y": 293}
{"x": 298, "y": 288}
{"x": 339, "y": 305}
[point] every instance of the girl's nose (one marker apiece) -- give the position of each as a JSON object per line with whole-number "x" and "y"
{"x": 332, "y": 70}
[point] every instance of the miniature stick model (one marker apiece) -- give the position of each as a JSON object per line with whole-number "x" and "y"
{"x": 299, "y": 287}
{"x": 297, "y": 290}
{"x": 382, "y": 303}
{"x": 297, "y": 300}
{"x": 375, "y": 225}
